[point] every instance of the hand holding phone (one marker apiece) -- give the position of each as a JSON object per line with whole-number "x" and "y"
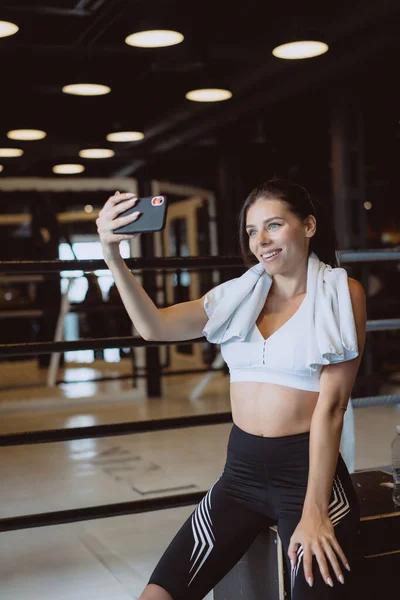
{"x": 109, "y": 219}
{"x": 153, "y": 211}
{"x": 121, "y": 213}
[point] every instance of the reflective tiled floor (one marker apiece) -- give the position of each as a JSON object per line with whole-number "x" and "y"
{"x": 111, "y": 559}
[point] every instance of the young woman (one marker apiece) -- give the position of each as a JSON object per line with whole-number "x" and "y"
{"x": 292, "y": 331}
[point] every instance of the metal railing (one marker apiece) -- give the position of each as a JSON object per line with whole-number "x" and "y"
{"x": 51, "y": 436}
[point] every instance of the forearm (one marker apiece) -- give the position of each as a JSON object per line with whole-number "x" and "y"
{"x": 325, "y": 435}
{"x": 141, "y": 309}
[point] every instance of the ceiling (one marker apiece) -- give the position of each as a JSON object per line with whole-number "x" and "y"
{"x": 279, "y": 108}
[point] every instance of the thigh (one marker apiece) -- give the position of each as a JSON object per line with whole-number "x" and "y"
{"x": 344, "y": 514}
{"x": 208, "y": 545}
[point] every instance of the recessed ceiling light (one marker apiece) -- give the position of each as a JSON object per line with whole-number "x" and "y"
{"x": 155, "y": 38}
{"x": 86, "y": 89}
{"x": 96, "y": 153}
{"x": 298, "y": 50}
{"x": 11, "y": 152}
{"x": 7, "y": 28}
{"x": 208, "y": 95}
{"x": 125, "y": 136}
{"x": 26, "y": 134}
{"x": 68, "y": 169}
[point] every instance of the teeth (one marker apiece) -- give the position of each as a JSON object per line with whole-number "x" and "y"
{"x": 271, "y": 254}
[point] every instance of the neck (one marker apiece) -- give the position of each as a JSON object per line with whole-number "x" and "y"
{"x": 292, "y": 283}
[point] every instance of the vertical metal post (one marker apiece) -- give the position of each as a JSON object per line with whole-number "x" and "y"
{"x": 58, "y": 337}
{"x": 349, "y": 192}
{"x": 348, "y": 177}
{"x": 230, "y": 198}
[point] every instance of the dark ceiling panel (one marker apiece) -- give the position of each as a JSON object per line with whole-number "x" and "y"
{"x": 25, "y": 5}
{"x": 226, "y": 44}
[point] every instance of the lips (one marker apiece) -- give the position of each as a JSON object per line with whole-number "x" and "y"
{"x": 269, "y": 251}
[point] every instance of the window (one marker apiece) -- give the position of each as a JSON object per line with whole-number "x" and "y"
{"x": 78, "y": 288}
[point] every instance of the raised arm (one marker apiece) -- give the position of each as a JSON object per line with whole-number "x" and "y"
{"x": 179, "y": 322}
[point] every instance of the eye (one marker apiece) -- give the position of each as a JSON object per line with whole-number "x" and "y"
{"x": 251, "y": 231}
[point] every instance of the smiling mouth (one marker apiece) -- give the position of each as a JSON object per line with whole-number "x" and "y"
{"x": 275, "y": 253}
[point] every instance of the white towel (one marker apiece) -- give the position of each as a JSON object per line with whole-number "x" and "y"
{"x": 234, "y": 306}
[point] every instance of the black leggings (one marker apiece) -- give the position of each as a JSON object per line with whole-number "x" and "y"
{"x": 264, "y": 482}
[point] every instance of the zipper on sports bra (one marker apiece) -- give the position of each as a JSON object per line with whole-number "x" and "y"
{"x": 264, "y": 345}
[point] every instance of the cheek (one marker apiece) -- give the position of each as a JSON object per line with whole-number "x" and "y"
{"x": 282, "y": 235}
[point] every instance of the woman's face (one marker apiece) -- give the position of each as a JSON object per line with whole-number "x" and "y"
{"x": 271, "y": 227}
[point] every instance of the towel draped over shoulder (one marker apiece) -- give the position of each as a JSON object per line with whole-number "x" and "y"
{"x": 234, "y": 306}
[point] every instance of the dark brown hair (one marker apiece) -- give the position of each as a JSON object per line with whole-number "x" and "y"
{"x": 323, "y": 242}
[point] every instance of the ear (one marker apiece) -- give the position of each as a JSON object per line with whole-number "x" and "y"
{"x": 310, "y": 226}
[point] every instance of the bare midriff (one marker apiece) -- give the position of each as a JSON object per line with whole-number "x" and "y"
{"x": 271, "y": 410}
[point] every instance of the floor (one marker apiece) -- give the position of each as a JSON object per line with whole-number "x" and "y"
{"x": 111, "y": 559}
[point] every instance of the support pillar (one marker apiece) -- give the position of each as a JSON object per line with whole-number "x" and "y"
{"x": 348, "y": 176}
{"x": 349, "y": 195}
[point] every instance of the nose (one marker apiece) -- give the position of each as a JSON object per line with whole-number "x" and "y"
{"x": 263, "y": 238}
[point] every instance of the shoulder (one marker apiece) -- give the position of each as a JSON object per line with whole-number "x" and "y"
{"x": 357, "y": 293}
{"x": 358, "y": 302}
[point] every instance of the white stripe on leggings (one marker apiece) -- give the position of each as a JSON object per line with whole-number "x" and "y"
{"x": 338, "y": 508}
{"x": 202, "y": 533}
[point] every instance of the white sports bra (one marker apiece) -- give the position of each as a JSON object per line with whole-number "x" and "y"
{"x": 280, "y": 359}
{"x": 321, "y": 332}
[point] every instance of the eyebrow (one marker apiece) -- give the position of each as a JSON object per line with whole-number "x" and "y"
{"x": 267, "y": 221}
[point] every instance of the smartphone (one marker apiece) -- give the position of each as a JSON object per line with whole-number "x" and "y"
{"x": 154, "y": 212}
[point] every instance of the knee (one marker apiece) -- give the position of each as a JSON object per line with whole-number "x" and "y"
{"x": 155, "y": 592}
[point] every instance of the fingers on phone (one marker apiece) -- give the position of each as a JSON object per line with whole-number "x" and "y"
{"x": 122, "y": 221}
{"x": 135, "y": 215}
{"x": 125, "y": 205}
{"x": 117, "y": 197}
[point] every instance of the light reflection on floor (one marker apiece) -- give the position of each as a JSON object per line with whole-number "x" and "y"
{"x": 80, "y": 390}
{"x": 81, "y": 374}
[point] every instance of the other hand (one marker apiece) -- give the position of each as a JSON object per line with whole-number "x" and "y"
{"x": 316, "y": 535}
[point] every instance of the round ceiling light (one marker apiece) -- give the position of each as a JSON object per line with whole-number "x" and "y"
{"x": 155, "y": 38}
{"x": 96, "y": 153}
{"x": 86, "y": 89}
{"x": 299, "y": 50}
{"x": 125, "y": 136}
{"x": 11, "y": 152}
{"x": 26, "y": 134}
{"x": 68, "y": 169}
{"x": 7, "y": 28}
{"x": 208, "y": 95}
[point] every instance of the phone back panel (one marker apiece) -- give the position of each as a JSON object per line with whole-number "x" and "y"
{"x": 154, "y": 211}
